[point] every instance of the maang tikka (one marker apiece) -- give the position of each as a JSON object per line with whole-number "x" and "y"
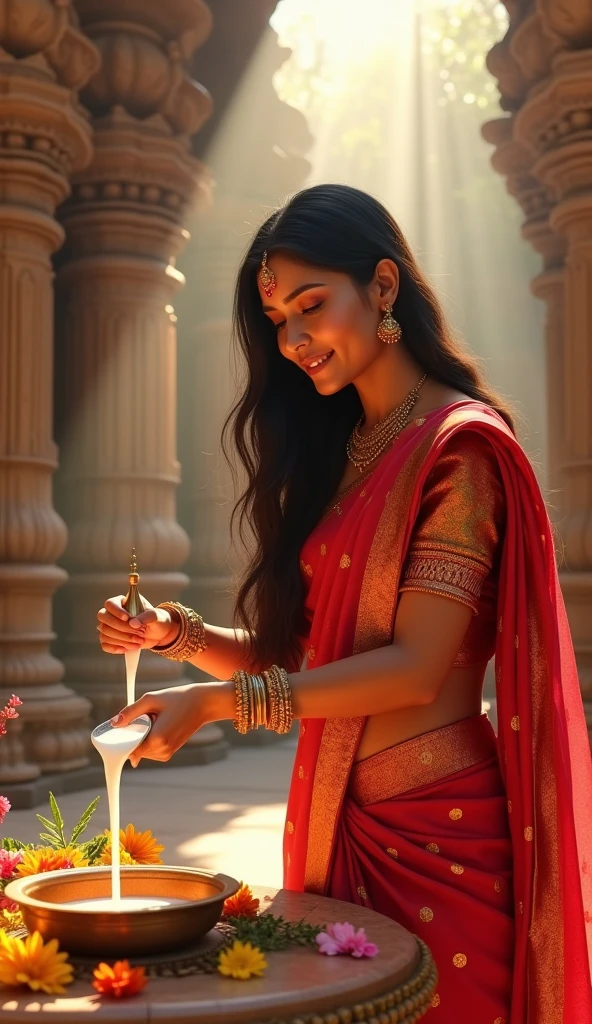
{"x": 267, "y": 277}
{"x": 389, "y": 329}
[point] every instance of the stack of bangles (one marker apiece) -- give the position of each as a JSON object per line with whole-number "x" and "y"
{"x": 261, "y": 700}
{"x": 265, "y": 700}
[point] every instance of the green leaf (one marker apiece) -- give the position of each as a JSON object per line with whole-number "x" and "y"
{"x": 84, "y": 820}
{"x": 94, "y": 847}
{"x": 57, "y": 817}
{"x": 12, "y": 845}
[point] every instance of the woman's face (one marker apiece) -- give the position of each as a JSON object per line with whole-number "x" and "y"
{"x": 323, "y": 324}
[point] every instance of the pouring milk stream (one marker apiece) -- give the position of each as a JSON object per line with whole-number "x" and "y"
{"x": 115, "y": 746}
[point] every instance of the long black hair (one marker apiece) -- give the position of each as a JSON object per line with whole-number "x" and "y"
{"x": 291, "y": 440}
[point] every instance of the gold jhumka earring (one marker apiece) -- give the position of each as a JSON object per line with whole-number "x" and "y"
{"x": 389, "y": 330}
{"x": 267, "y": 277}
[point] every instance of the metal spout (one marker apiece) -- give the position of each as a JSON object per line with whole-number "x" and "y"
{"x": 132, "y": 601}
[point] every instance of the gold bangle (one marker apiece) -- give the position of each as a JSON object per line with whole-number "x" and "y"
{"x": 192, "y": 634}
{"x": 280, "y": 700}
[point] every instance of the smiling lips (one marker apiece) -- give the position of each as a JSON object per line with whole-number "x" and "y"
{"x": 313, "y": 364}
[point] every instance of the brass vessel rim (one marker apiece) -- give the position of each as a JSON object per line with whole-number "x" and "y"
{"x": 19, "y": 889}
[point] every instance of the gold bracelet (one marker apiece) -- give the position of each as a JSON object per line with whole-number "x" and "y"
{"x": 280, "y": 700}
{"x": 263, "y": 700}
{"x": 192, "y": 634}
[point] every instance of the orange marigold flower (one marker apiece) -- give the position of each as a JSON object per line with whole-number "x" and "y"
{"x": 45, "y": 858}
{"x": 32, "y": 962}
{"x": 242, "y": 904}
{"x": 141, "y": 847}
{"x": 119, "y": 981}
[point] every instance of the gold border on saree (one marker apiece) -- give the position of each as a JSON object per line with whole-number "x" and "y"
{"x": 422, "y": 760}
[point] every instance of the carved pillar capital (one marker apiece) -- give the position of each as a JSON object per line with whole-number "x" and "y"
{"x": 571, "y": 20}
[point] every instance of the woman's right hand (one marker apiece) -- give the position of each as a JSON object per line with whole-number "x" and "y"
{"x": 155, "y": 627}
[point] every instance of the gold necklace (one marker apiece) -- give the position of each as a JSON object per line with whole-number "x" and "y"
{"x": 362, "y": 451}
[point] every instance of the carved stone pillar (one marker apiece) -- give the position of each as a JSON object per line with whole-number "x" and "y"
{"x": 117, "y": 337}
{"x": 44, "y": 137}
{"x": 553, "y": 124}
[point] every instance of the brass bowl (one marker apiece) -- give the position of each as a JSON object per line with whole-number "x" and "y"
{"x": 43, "y": 903}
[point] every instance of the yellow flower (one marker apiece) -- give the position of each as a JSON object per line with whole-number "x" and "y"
{"x": 136, "y": 847}
{"x": 241, "y": 960}
{"x": 30, "y": 962}
{"x": 45, "y": 858}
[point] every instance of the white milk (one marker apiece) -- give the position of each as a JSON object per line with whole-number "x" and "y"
{"x": 132, "y": 659}
{"x": 115, "y": 746}
{"x": 126, "y": 903}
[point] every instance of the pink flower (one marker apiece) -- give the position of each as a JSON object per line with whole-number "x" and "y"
{"x": 6, "y": 904}
{"x": 343, "y": 938}
{"x": 9, "y": 861}
{"x": 14, "y": 702}
{"x": 4, "y": 809}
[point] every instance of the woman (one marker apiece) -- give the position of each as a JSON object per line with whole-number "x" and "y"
{"x": 401, "y": 541}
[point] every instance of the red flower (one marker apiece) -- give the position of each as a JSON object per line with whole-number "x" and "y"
{"x": 242, "y": 904}
{"x": 4, "y": 808}
{"x": 9, "y": 861}
{"x": 119, "y": 981}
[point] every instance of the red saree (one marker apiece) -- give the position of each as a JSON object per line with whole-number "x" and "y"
{"x": 503, "y": 878}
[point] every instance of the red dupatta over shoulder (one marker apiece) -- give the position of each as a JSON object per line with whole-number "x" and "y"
{"x": 543, "y": 743}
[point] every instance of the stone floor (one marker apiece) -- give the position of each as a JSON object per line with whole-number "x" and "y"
{"x": 227, "y": 816}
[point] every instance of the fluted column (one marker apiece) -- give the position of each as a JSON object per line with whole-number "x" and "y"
{"x": 117, "y": 336}
{"x": 44, "y": 137}
{"x": 551, "y": 44}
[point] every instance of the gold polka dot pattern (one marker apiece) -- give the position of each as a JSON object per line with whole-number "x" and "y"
{"x": 311, "y": 653}
{"x": 426, "y": 914}
{"x": 290, "y": 826}
{"x": 497, "y": 885}
{"x": 433, "y": 848}
{"x": 306, "y": 568}
{"x": 517, "y": 642}
{"x": 426, "y": 757}
{"x": 436, "y": 1000}
{"x": 529, "y": 833}
{"x": 500, "y": 1020}
{"x": 457, "y": 869}
{"x": 515, "y": 723}
{"x": 323, "y": 549}
{"x": 300, "y": 772}
{"x": 393, "y": 853}
{"x": 344, "y": 562}
{"x": 509, "y": 806}
{"x": 362, "y": 892}
{"x": 456, "y": 814}
{"x": 459, "y": 960}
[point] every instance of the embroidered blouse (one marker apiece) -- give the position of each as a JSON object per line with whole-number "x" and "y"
{"x": 455, "y": 545}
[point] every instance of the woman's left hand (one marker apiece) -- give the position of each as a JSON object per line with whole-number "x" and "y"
{"x": 177, "y": 713}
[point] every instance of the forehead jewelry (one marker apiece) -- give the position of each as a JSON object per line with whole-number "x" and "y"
{"x": 267, "y": 277}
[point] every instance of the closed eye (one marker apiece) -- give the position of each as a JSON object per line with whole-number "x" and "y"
{"x": 307, "y": 311}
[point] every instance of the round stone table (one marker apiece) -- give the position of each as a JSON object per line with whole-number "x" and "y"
{"x": 300, "y": 986}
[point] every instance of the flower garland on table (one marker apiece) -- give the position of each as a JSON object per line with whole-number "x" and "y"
{"x": 252, "y": 934}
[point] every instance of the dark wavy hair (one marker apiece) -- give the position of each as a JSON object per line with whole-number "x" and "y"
{"x": 291, "y": 440}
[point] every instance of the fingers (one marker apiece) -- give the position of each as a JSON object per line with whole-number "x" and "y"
{"x": 148, "y": 704}
{"x": 114, "y": 605}
{"x": 144, "y": 619}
